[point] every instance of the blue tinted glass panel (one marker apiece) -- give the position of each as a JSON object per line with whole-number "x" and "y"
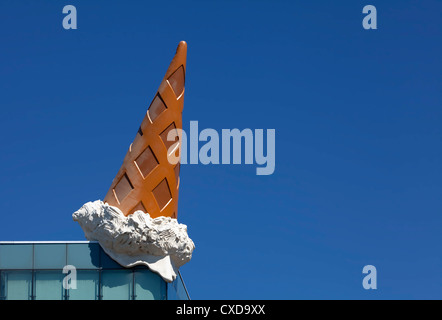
{"x": 171, "y": 291}
{"x": 2, "y": 286}
{"x": 86, "y": 286}
{"x": 83, "y": 255}
{"x": 149, "y": 285}
{"x": 116, "y": 284}
{"x": 107, "y": 262}
{"x": 48, "y": 285}
{"x": 17, "y": 285}
{"x": 15, "y": 256}
{"x": 49, "y": 256}
{"x": 177, "y": 290}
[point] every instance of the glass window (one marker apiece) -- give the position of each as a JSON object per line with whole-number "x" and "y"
{"x": 107, "y": 262}
{"x": 2, "y": 286}
{"x": 86, "y": 286}
{"x": 49, "y": 285}
{"x": 83, "y": 255}
{"x": 149, "y": 286}
{"x": 171, "y": 291}
{"x": 35, "y": 271}
{"x": 15, "y": 256}
{"x": 116, "y": 284}
{"x": 49, "y": 256}
{"x": 176, "y": 290}
{"x": 17, "y": 285}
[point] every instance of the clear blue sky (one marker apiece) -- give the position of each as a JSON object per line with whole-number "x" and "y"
{"x": 357, "y": 113}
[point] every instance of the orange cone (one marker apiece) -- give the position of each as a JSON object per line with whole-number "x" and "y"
{"x": 147, "y": 181}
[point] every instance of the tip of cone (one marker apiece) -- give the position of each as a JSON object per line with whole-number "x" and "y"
{"x": 178, "y": 60}
{"x": 182, "y": 46}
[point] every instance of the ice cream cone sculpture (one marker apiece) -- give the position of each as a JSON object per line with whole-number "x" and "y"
{"x": 147, "y": 180}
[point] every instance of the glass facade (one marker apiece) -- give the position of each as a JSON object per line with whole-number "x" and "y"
{"x": 77, "y": 271}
